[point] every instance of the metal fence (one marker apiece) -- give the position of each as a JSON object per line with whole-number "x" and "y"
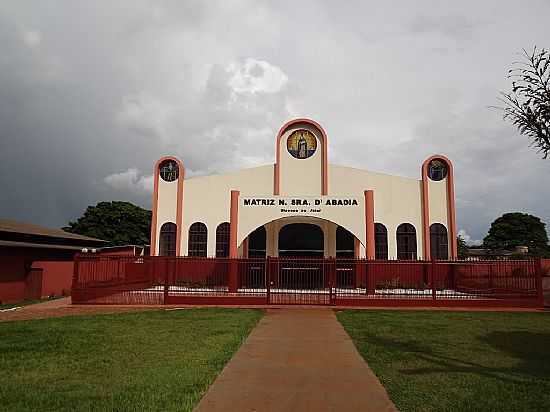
{"x": 321, "y": 281}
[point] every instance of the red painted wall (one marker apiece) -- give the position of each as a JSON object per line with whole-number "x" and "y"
{"x": 43, "y": 279}
{"x": 13, "y": 291}
{"x": 56, "y": 277}
{"x": 20, "y": 278}
{"x": 545, "y": 267}
{"x": 13, "y": 270}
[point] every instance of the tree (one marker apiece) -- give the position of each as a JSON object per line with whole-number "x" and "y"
{"x": 120, "y": 223}
{"x": 517, "y": 229}
{"x": 462, "y": 247}
{"x": 527, "y": 106}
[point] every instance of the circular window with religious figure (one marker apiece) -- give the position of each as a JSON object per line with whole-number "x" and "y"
{"x": 169, "y": 170}
{"x": 437, "y": 170}
{"x": 301, "y": 144}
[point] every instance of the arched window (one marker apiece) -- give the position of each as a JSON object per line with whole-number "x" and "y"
{"x": 345, "y": 243}
{"x": 222, "y": 240}
{"x": 439, "y": 243}
{"x": 167, "y": 239}
{"x": 257, "y": 243}
{"x": 380, "y": 241}
{"x": 198, "y": 236}
{"x": 406, "y": 242}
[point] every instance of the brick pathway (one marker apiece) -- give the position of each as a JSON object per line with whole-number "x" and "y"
{"x": 63, "y": 307}
{"x": 297, "y": 360}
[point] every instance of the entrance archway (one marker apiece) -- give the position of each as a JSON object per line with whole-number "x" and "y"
{"x": 329, "y": 228}
{"x": 257, "y": 242}
{"x": 345, "y": 249}
{"x": 301, "y": 240}
{"x": 345, "y": 243}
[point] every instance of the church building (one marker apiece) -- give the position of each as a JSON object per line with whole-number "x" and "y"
{"x": 304, "y": 206}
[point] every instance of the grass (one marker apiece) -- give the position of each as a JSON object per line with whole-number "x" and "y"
{"x": 27, "y": 302}
{"x": 146, "y": 361}
{"x": 457, "y": 361}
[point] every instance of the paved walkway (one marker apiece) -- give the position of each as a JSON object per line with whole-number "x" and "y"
{"x": 297, "y": 360}
{"x": 62, "y": 307}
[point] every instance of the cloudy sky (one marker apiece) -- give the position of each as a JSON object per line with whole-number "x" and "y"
{"x": 92, "y": 93}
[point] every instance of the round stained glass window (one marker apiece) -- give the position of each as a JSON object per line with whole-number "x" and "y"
{"x": 437, "y": 170}
{"x": 169, "y": 170}
{"x": 301, "y": 144}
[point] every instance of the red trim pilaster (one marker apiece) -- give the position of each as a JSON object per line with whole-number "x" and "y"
{"x": 369, "y": 223}
{"x": 179, "y": 205}
{"x": 451, "y": 208}
{"x": 233, "y": 224}
{"x": 451, "y": 212}
{"x": 154, "y": 217}
{"x": 426, "y": 250}
{"x": 276, "y": 183}
{"x": 233, "y": 247}
{"x": 179, "y": 212}
{"x": 324, "y": 154}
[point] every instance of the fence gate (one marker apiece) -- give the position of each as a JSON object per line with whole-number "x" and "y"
{"x": 299, "y": 281}
{"x": 302, "y": 281}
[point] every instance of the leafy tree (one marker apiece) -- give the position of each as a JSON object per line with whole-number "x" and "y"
{"x": 120, "y": 223}
{"x": 462, "y": 247}
{"x": 527, "y": 106}
{"x": 518, "y": 229}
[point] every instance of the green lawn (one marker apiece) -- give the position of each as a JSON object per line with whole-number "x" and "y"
{"x": 144, "y": 361}
{"x": 457, "y": 361}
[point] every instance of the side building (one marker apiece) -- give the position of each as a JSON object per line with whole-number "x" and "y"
{"x": 37, "y": 261}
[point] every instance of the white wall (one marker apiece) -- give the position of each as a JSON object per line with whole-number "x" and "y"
{"x": 437, "y": 193}
{"x": 438, "y": 208}
{"x": 397, "y": 200}
{"x": 350, "y": 217}
{"x": 207, "y": 199}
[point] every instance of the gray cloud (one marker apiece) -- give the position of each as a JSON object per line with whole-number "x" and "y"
{"x": 454, "y": 27}
{"x": 92, "y": 93}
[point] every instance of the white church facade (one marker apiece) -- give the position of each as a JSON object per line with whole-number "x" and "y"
{"x": 304, "y": 206}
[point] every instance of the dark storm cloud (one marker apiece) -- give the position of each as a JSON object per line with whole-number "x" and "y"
{"x": 92, "y": 93}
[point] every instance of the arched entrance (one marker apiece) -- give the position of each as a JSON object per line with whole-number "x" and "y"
{"x": 335, "y": 242}
{"x": 345, "y": 249}
{"x": 300, "y": 245}
{"x": 301, "y": 240}
{"x": 257, "y": 243}
{"x": 297, "y": 268}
